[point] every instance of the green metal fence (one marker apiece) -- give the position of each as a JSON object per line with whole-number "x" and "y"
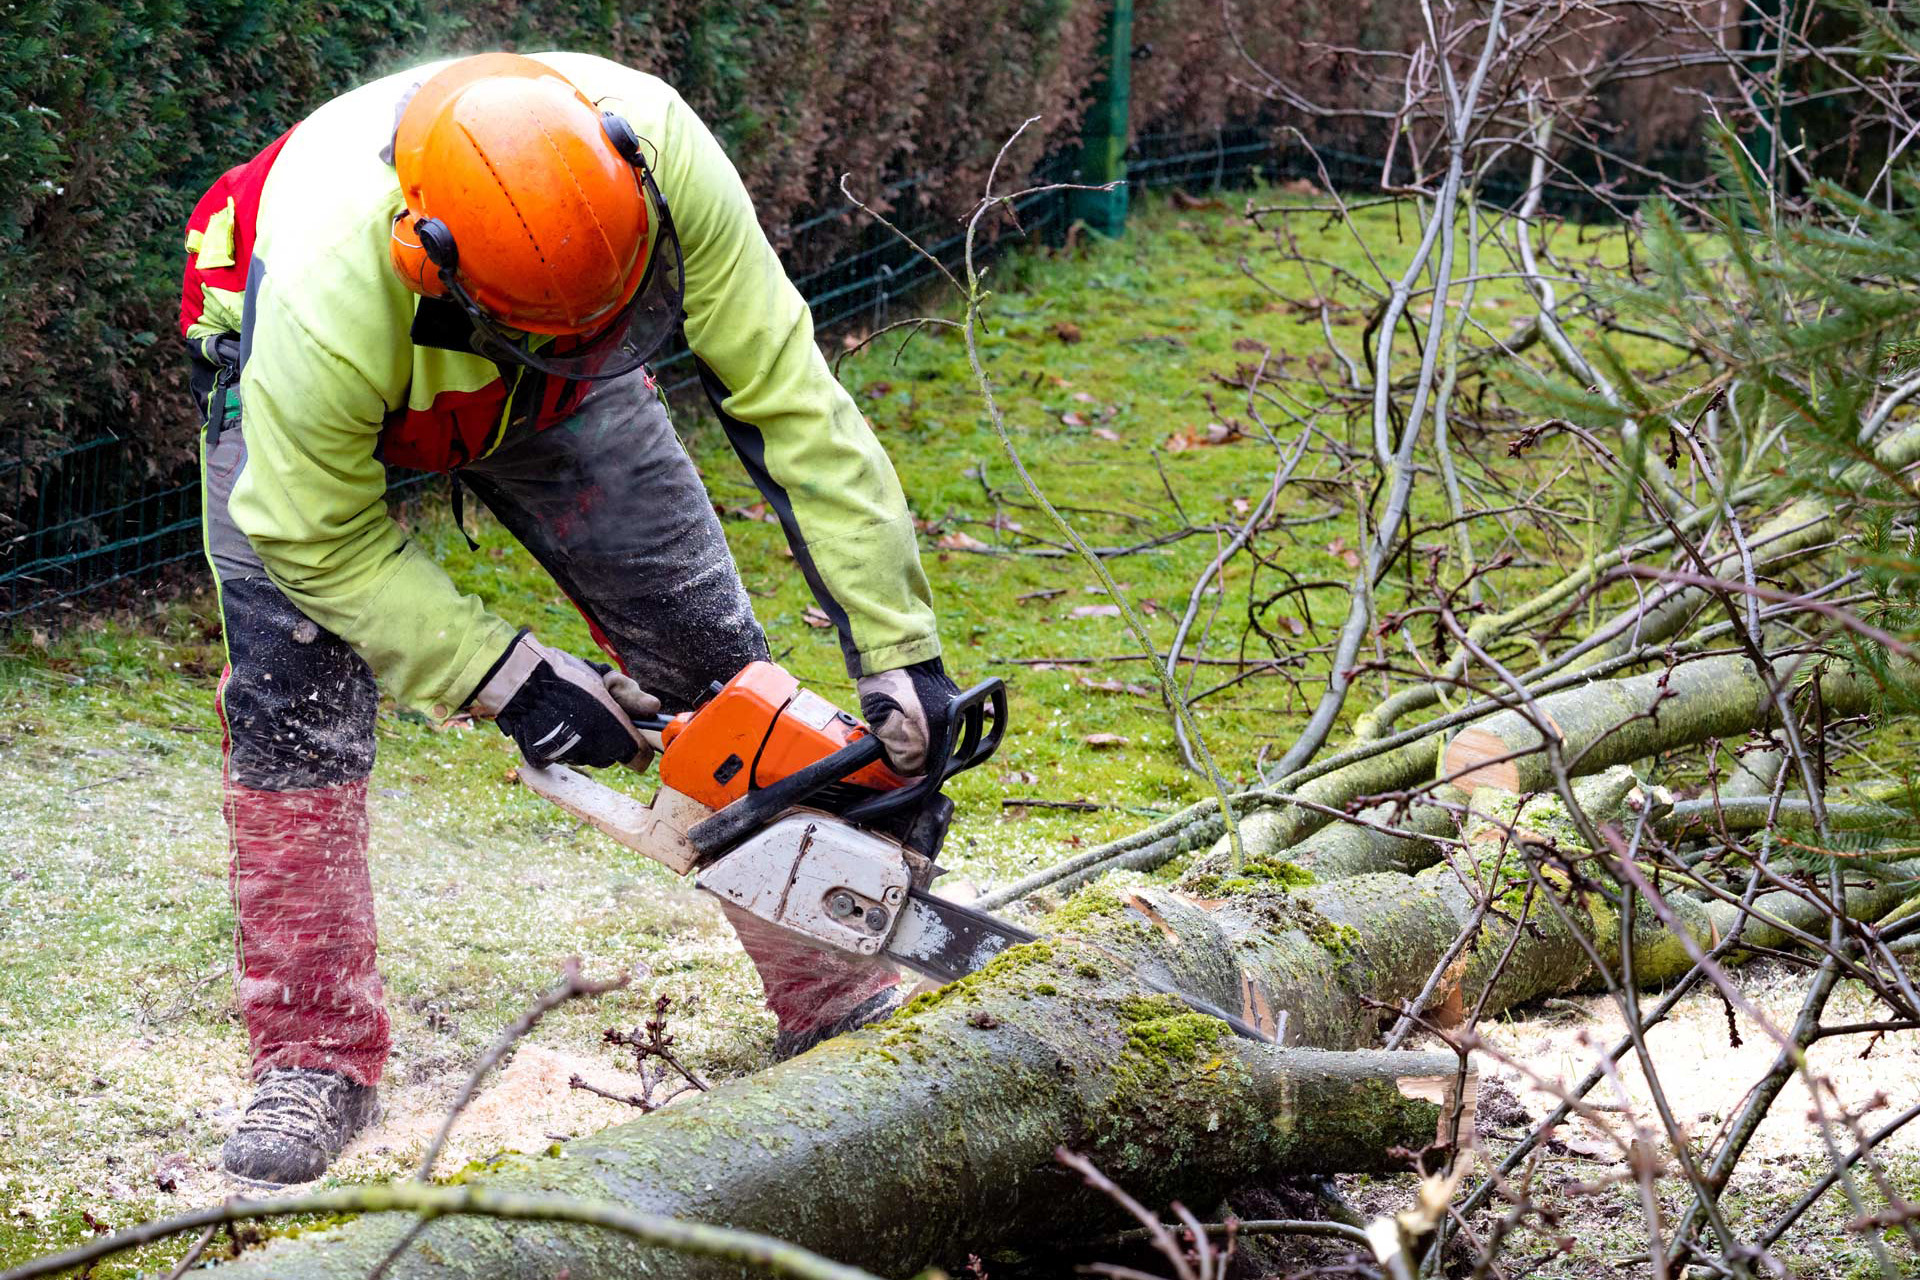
{"x": 94, "y": 516}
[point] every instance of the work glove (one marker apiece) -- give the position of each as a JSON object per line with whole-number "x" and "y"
{"x": 559, "y": 709}
{"x": 907, "y": 709}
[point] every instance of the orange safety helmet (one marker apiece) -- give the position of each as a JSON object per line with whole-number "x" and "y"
{"x": 530, "y": 208}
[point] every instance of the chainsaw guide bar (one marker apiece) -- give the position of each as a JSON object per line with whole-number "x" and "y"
{"x": 947, "y": 941}
{"x": 755, "y": 802}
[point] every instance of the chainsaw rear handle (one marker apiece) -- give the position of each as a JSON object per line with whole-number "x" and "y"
{"x": 968, "y": 742}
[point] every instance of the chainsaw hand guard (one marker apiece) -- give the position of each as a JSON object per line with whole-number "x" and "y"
{"x": 968, "y": 741}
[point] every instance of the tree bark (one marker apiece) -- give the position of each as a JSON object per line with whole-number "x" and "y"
{"x": 931, "y": 1136}
{"x": 1611, "y": 722}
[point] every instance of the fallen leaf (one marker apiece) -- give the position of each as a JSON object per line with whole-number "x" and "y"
{"x": 1241, "y": 506}
{"x": 1095, "y": 611}
{"x": 1067, "y": 331}
{"x": 1181, "y": 200}
{"x": 815, "y": 616}
{"x": 1116, "y": 686}
{"x": 1348, "y": 556}
{"x": 1106, "y": 433}
{"x": 1587, "y": 1149}
{"x": 1019, "y": 778}
{"x": 1073, "y": 419}
{"x": 1104, "y": 741}
{"x": 1214, "y": 433}
{"x": 877, "y": 389}
{"x": 958, "y": 541}
{"x": 1293, "y": 625}
{"x": 1084, "y": 397}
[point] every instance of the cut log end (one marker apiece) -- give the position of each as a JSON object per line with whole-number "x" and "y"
{"x": 1476, "y": 758}
{"x": 1455, "y": 1095}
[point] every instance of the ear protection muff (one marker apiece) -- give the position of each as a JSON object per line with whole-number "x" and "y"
{"x": 411, "y": 261}
{"x": 625, "y": 141}
{"x": 422, "y": 250}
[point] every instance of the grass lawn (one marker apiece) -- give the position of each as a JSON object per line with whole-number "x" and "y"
{"x": 121, "y": 1065}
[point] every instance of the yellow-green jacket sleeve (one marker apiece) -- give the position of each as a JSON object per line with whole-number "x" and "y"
{"x": 802, "y": 439}
{"x": 311, "y": 499}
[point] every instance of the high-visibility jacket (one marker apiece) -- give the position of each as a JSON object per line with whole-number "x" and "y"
{"x": 344, "y": 370}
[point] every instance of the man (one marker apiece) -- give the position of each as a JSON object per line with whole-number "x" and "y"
{"x": 462, "y": 268}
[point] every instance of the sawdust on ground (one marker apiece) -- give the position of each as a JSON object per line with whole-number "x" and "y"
{"x": 527, "y": 1106}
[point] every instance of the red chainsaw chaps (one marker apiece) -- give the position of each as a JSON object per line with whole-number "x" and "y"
{"x": 807, "y": 986}
{"x": 307, "y": 986}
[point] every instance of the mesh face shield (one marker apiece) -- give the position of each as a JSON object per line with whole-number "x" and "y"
{"x": 625, "y": 343}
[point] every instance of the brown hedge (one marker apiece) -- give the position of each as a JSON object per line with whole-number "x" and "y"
{"x": 114, "y": 118}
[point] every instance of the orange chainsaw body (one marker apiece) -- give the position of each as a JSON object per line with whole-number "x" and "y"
{"x": 760, "y": 727}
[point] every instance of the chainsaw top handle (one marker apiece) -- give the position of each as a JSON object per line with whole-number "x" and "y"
{"x": 969, "y": 741}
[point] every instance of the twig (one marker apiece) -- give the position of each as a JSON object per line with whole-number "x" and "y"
{"x": 193, "y": 1255}
{"x": 572, "y": 986}
{"x": 677, "y": 1234}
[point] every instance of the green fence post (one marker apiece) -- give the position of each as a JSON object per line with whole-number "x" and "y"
{"x": 1103, "y": 138}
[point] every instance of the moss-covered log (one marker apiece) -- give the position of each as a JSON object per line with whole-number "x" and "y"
{"x": 1396, "y": 840}
{"x": 931, "y": 1136}
{"x": 1332, "y": 954}
{"x": 1788, "y": 539}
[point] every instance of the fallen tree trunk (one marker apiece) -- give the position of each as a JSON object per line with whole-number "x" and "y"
{"x": 929, "y": 1137}
{"x": 932, "y": 1136}
{"x": 1788, "y": 539}
{"x": 1600, "y": 724}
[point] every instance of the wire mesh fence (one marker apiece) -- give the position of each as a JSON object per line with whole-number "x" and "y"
{"x": 95, "y": 515}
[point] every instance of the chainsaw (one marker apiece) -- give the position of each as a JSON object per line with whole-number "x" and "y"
{"x": 781, "y": 805}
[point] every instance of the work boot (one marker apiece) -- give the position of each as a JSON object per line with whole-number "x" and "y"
{"x": 297, "y": 1123}
{"x": 881, "y": 1004}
